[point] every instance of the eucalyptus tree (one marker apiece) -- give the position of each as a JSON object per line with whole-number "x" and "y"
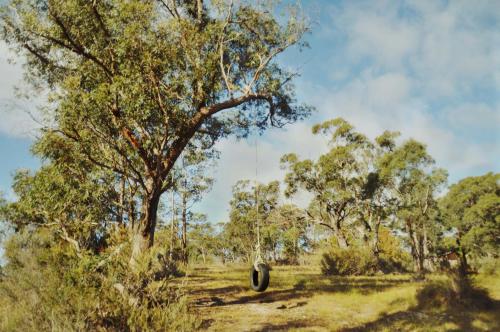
{"x": 337, "y": 179}
{"x": 471, "y": 209}
{"x": 203, "y": 237}
{"x": 135, "y": 83}
{"x": 78, "y": 204}
{"x": 415, "y": 183}
{"x": 289, "y": 226}
{"x": 249, "y": 213}
{"x": 378, "y": 201}
{"x": 191, "y": 185}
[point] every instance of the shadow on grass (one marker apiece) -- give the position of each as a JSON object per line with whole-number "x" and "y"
{"x": 296, "y": 324}
{"x": 363, "y": 285}
{"x": 439, "y": 306}
{"x": 221, "y": 291}
{"x": 304, "y": 288}
{"x": 271, "y": 296}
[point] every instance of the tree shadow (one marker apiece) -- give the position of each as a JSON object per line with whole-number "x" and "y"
{"x": 271, "y": 296}
{"x": 221, "y": 291}
{"x": 363, "y": 285}
{"x": 437, "y": 305}
{"x": 296, "y": 324}
{"x": 300, "y": 290}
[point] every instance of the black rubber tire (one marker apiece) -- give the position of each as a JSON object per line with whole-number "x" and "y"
{"x": 259, "y": 279}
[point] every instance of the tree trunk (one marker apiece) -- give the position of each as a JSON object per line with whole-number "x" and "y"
{"x": 184, "y": 228}
{"x": 143, "y": 231}
{"x": 172, "y": 227}
{"x": 375, "y": 244}
{"x": 416, "y": 249}
{"x": 463, "y": 258}
{"x": 121, "y": 201}
{"x": 339, "y": 235}
{"x": 428, "y": 263}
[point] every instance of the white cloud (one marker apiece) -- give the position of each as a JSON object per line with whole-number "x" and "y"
{"x": 16, "y": 113}
{"x": 428, "y": 69}
{"x": 448, "y": 48}
{"x": 473, "y": 115}
{"x": 238, "y": 162}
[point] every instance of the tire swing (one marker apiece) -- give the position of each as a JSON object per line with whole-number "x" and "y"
{"x": 259, "y": 273}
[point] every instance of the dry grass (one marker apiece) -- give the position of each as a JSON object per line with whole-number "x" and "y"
{"x": 301, "y": 299}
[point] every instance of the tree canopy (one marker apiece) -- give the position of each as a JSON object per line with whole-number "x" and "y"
{"x": 136, "y": 83}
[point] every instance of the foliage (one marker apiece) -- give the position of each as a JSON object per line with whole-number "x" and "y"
{"x": 204, "y": 241}
{"x": 47, "y": 285}
{"x": 336, "y": 179}
{"x": 79, "y": 201}
{"x": 471, "y": 209}
{"x": 359, "y": 259}
{"x": 245, "y": 216}
{"x": 134, "y": 84}
{"x": 416, "y": 184}
{"x": 289, "y": 225}
{"x": 489, "y": 266}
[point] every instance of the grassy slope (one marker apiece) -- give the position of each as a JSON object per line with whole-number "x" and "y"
{"x": 299, "y": 298}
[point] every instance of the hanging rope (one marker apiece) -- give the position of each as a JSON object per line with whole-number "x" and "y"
{"x": 258, "y": 256}
{"x": 259, "y": 274}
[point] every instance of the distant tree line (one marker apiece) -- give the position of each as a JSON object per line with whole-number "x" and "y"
{"x": 382, "y": 199}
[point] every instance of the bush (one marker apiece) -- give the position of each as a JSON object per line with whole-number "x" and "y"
{"x": 49, "y": 285}
{"x": 354, "y": 260}
{"x": 359, "y": 259}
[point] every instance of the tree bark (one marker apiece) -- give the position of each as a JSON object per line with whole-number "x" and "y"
{"x": 184, "y": 228}
{"x": 416, "y": 249}
{"x": 463, "y": 258}
{"x": 335, "y": 225}
{"x": 144, "y": 230}
{"x": 375, "y": 244}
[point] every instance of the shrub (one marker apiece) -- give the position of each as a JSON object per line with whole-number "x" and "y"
{"x": 49, "y": 285}
{"x": 359, "y": 259}
{"x": 354, "y": 260}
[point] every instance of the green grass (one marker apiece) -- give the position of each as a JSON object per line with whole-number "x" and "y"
{"x": 301, "y": 299}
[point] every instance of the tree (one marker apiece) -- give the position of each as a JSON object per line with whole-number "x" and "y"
{"x": 336, "y": 179}
{"x": 79, "y": 204}
{"x": 377, "y": 203}
{"x": 192, "y": 184}
{"x": 135, "y": 83}
{"x": 289, "y": 225}
{"x": 250, "y": 208}
{"x": 471, "y": 209}
{"x": 415, "y": 186}
{"x": 204, "y": 240}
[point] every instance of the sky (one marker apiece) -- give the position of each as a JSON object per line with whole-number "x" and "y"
{"x": 429, "y": 69}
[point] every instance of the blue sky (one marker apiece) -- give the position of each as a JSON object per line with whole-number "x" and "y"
{"x": 430, "y": 69}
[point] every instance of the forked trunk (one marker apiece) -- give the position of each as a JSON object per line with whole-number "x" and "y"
{"x": 337, "y": 230}
{"x": 144, "y": 230}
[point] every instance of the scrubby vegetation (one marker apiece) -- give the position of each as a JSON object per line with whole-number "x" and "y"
{"x": 51, "y": 286}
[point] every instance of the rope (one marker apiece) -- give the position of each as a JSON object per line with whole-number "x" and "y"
{"x": 258, "y": 258}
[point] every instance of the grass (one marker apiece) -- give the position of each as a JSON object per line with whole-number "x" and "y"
{"x": 301, "y": 299}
